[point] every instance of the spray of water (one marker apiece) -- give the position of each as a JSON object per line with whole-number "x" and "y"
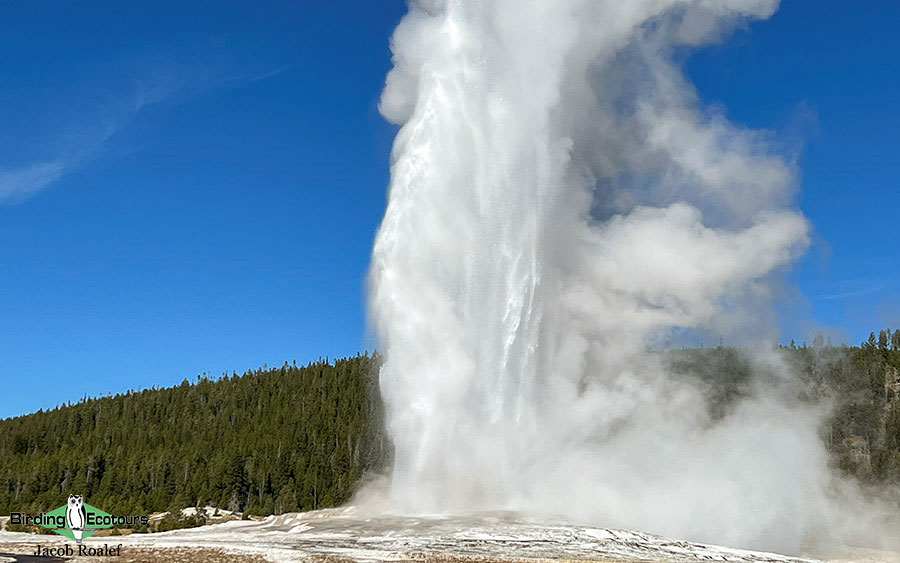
{"x": 560, "y": 201}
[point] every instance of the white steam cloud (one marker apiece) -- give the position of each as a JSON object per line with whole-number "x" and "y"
{"x": 559, "y": 201}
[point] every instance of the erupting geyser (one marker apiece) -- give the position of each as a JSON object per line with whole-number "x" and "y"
{"x": 560, "y": 201}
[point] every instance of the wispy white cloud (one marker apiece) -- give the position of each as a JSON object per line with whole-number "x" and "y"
{"x": 238, "y": 80}
{"x": 853, "y": 288}
{"x": 18, "y": 184}
{"x": 162, "y": 82}
{"x": 269, "y": 74}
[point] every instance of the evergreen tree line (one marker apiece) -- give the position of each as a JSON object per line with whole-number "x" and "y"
{"x": 295, "y": 438}
{"x": 266, "y": 442}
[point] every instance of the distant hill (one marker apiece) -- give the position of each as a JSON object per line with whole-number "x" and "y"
{"x": 270, "y": 441}
{"x": 294, "y": 438}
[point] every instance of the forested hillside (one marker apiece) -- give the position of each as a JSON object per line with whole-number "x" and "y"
{"x": 269, "y": 441}
{"x": 299, "y": 438}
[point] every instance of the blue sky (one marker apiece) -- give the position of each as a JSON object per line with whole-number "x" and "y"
{"x": 196, "y": 188}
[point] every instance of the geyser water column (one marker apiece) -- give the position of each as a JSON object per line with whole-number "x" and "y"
{"x": 558, "y": 201}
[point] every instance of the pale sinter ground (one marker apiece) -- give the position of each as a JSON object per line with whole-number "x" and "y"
{"x": 348, "y": 535}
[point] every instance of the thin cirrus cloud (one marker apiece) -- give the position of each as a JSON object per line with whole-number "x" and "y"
{"x": 857, "y": 287}
{"x": 19, "y": 183}
{"x": 849, "y": 293}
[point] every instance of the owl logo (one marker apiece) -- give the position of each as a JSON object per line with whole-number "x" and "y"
{"x": 75, "y": 517}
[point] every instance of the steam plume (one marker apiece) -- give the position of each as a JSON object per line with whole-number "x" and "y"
{"x": 559, "y": 201}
